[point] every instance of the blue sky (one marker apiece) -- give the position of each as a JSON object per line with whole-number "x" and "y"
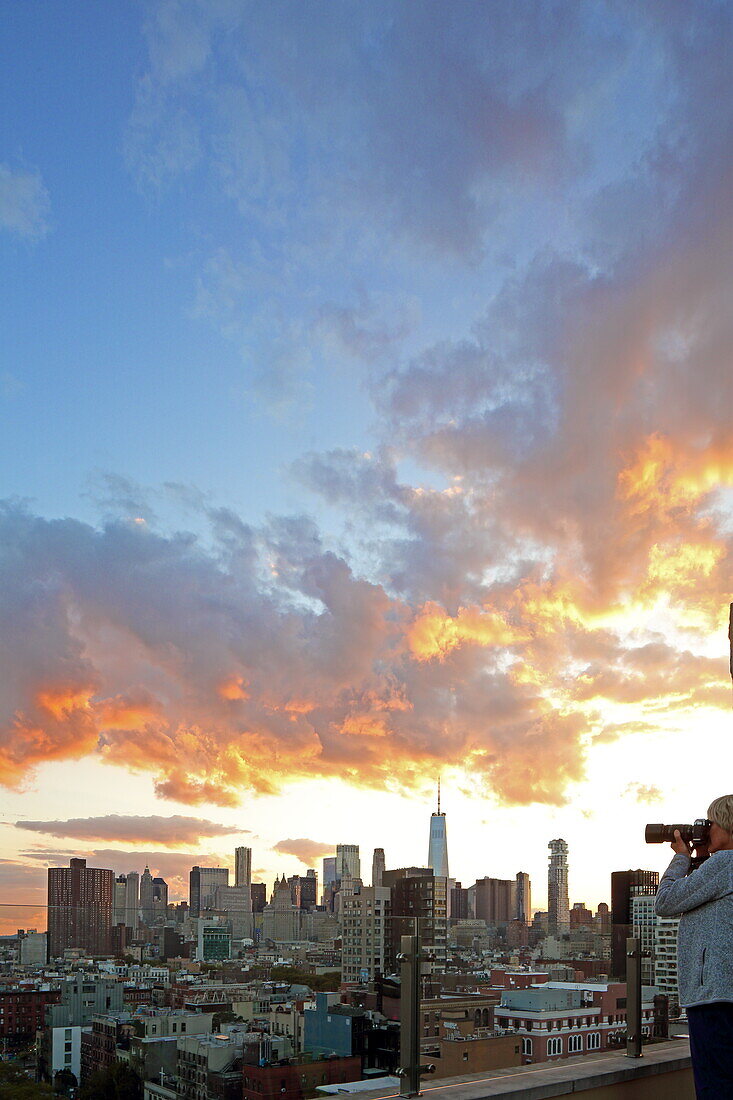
{"x": 404, "y": 331}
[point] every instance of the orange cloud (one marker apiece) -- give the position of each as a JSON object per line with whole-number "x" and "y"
{"x": 434, "y": 633}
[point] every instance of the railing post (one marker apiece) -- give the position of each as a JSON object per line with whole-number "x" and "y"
{"x": 409, "y": 1071}
{"x": 633, "y": 997}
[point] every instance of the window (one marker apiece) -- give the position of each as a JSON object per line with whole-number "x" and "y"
{"x": 526, "y": 1046}
{"x": 554, "y": 1046}
{"x": 594, "y": 1040}
{"x": 575, "y": 1043}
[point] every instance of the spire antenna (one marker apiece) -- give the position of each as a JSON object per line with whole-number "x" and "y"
{"x": 438, "y": 794}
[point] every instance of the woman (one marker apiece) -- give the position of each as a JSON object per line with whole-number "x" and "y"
{"x": 703, "y": 899}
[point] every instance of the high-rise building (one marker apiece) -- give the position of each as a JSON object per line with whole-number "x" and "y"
{"x": 626, "y": 885}
{"x": 348, "y": 863}
{"x": 458, "y": 903}
{"x": 496, "y": 901}
{"x": 280, "y": 918}
{"x": 203, "y": 882}
{"x": 258, "y": 893}
{"x": 119, "y": 900}
{"x": 378, "y": 866}
{"x": 304, "y": 889}
{"x": 329, "y": 871}
{"x": 644, "y": 926}
{"x": 438, "y": 845}
{"x": 243, "y": 867}
{"x": 235, "y": 903}
{"x": 419, "y": 905}
{"x": 160, "y": 899}
{"x": 523, "y": 910}
{"x": 364, "y": 933}
{"x": 558, "y": 905}
{"x": 79, "y": 908}
{"x": 147, "y": 910}
{"x": 132, "y": 901}
{"x": 665, "y": 960}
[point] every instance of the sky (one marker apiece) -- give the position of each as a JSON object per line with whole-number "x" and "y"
{"x": 365, "y": 399}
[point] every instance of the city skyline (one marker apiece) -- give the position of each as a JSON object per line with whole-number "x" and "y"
{"x": 366, "y": 399}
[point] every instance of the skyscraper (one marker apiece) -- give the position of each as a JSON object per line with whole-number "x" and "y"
{"x": 348, "y": 863}
{"x": 203, "y": 882}
{"x": 132, "y": 900}
{"x": 378, "y": 866}
{"x": 243, "y": 867}
{"x": 626, "y": 885}
{"x": 79, "y": 908}
{"x": 558, "y": 906}
{"x": 438, "y": 846}
{"x": 146, "y": 897}
{"x": 495, "y": 900}
{"x": 524, "y": 897}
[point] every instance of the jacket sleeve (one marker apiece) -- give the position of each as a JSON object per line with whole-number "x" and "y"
{"x": 679, "y": 892}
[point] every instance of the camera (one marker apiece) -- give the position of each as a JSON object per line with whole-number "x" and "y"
{"x": 696, "y": 834}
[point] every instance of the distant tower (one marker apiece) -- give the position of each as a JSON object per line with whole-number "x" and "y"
{"x": 378, "y": 866}
{"x": 243, "y": 867}
{"x": 558, "y": 907}
{"x": 146, "y": 896}
{"x": 347, "y": 861}
{"x": 438, "y": 847}
{"x": 524, "y": 898}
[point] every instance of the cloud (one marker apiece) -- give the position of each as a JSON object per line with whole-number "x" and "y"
{"x": 644, "y": 793}
{"x": 175, "y": 831}
{"x": 307, "y": 851}
{"x": 24, "y": 203}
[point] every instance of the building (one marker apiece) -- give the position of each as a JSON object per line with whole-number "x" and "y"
{"x": 281, "y": 919}
{"x": 419, "y": 905}
{"x": 132, "y": 900}
{"x": 495, "y": 900}
{"x": 80, "y": 999}
{"x": 304, "y": 890}
{"x": 438, "y": 844}
{"x": 206, "y": 1062}
{"x": 580, "y": 916}
{"x": 523, "y": 910}
{"x": 32, "y": 948}
{"x": 558, "y": 906}
{"x": 348, "y": 864}
{"x": 458, "y": 903}
{"x": 329, "y": 871}
{"x": 243, "y": 867}
{"x": 258, "y": 893}
{"x": 378, "y": 866}
{"x": 235, "y": 904}
{"x": 665, "y": 961}
{"x": 297, "y": 1080}
{"x": 147, "y": 911}
{"x": 364, "y": 934}
{"x": 203, "y": 882}
{"x": 626, "y": 885}
{"x": 560, "y": 1019}
{"x": 23, "y": 1012}
{"x": 79, "y": 909}
{"x": 213, "y": 940}
{"x": 644, "y": 926}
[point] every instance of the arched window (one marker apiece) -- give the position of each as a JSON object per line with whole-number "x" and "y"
{"x": 477, "y": 1018}
{"x": 575, "y": 1043}
{"x": 594, "y": 1040}
{"x": 554, "y": 1046}
{"x": 526, "y": 1045}
{"x": 485, "y": 1017}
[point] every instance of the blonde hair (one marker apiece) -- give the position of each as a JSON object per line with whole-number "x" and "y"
{"x": 720, "y": 811}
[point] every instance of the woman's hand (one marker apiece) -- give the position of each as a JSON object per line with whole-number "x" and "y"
{"x": 680, "y": 846}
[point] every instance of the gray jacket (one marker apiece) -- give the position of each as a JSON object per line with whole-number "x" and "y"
{"x": 704, "y": 902}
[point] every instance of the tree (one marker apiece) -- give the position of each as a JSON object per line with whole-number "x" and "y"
{"x": 63, "y": 1082}
{"x": 118, "y": 1082}
{"x": 16, "y": 1085}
